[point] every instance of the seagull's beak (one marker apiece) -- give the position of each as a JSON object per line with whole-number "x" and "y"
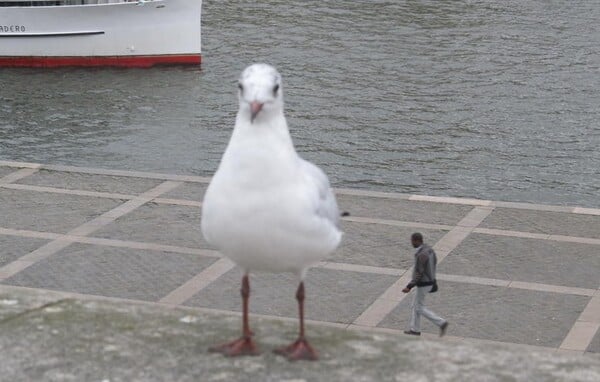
{"x": 255, "y": 108}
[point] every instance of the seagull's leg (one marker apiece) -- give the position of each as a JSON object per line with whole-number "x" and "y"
{"x": 299, "y": 349}
{"x": 245, "y": 291}
{"x": 243, "y": 345}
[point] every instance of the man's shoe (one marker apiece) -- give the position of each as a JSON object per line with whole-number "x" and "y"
{"x": 443, "y": 329}
{"x": 412, "y": 333}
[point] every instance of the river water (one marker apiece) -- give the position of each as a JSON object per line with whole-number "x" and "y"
{"x": 489, "y": 99}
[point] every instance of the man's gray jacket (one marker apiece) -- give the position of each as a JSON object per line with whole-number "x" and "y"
{"x": 425, "y": 266}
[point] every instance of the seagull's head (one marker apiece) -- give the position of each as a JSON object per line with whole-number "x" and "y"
{"x": 260, "y": 91}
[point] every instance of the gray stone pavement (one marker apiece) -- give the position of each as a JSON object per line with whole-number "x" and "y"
{"x": 113, "y": 272}
{"x": 158, "y": 223}
{"x": 88, "y": 182}
{"x": 5, "y": 171}
{"x": 403, "y": 210}
{"x": 525, "y": 259}
{"x": 273, "y": 294}
{"x": 188, "y": 191}
{"x": 595, "y": 344}
{"x": 378, "y": 245}
{"x": 51, "y": 212}
{"x": 548, "y": 222}
{"x": 500, "y": 314}
{"x": 509, "y": 272}
{"x": 54, "y": 336}
{"x": 14, "y": 247}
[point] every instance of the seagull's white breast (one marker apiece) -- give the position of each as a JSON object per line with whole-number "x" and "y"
{"x": 262, "y": 206}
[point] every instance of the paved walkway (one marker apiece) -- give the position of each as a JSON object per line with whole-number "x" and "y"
{"x": 48, "y": 336}
{"x": 510, "y": 272}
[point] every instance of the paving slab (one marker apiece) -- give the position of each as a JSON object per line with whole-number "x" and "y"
{"x": 40, "y": 211}
{"x": 379, "y": 245}
{"x": 74, "y": 340}
{"x": 528, "y": 260}
{"x": 331, "y": 295}
{"x": 402, "y": 210}
{"x": 158, "y": 223}
{"x": 594, "y": 346}
{"x": 112, "y": 272}
{"x": 188, "y": 191}
{"x": 88, "y": 182}
{"x": 546, "y": 222}
{"x": 497, "y": 313}
{"x": 13, "y": 247}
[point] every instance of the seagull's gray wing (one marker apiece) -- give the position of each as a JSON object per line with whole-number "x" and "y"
{"x": 326, "y": 206}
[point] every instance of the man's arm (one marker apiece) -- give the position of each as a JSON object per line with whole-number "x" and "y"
{"x": 420, "y": 267}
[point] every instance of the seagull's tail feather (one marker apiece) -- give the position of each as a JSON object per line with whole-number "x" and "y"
{"x": 345, "y": 213}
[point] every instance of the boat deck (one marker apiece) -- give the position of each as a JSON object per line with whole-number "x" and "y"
{"x": 509, "y": 272}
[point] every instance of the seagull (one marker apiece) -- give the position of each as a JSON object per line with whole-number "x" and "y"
{"x": 266, "y": 208}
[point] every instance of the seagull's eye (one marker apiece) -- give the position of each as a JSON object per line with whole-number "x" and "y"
{"x": 240, "y": 87}
{"x": 275, "y": 88}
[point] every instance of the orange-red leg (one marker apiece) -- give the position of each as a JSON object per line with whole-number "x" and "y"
{"x": 243, "y": 345}
{"x": 299, "y": 349}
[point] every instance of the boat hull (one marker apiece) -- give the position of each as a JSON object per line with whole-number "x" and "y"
{"x": 117, "y": 34}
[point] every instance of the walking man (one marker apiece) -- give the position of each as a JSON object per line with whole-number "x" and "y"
{"x": 424, "y": 279}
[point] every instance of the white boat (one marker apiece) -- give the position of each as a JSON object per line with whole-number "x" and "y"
{"x": 137, "y": 33}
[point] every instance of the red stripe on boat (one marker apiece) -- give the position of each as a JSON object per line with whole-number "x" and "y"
{"x": 124, "y": 61}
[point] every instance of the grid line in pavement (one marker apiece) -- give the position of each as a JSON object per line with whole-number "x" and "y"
{"x": 342, "y": 191}
{"x": 583, "y": 331}
{"x": 388, "y": 300}
{"x": 16, "y": 175}
{"x": 101, "y": 171}
{"x": 85, "y": 229}
{"x": 202, "y": 310}
{"x": 577, "y": 340}
{"x": 95, "y": 194}
{"x": 198, "y": 282}
{"x": 323, "y": 264}
{"x": 485, "y": 231}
